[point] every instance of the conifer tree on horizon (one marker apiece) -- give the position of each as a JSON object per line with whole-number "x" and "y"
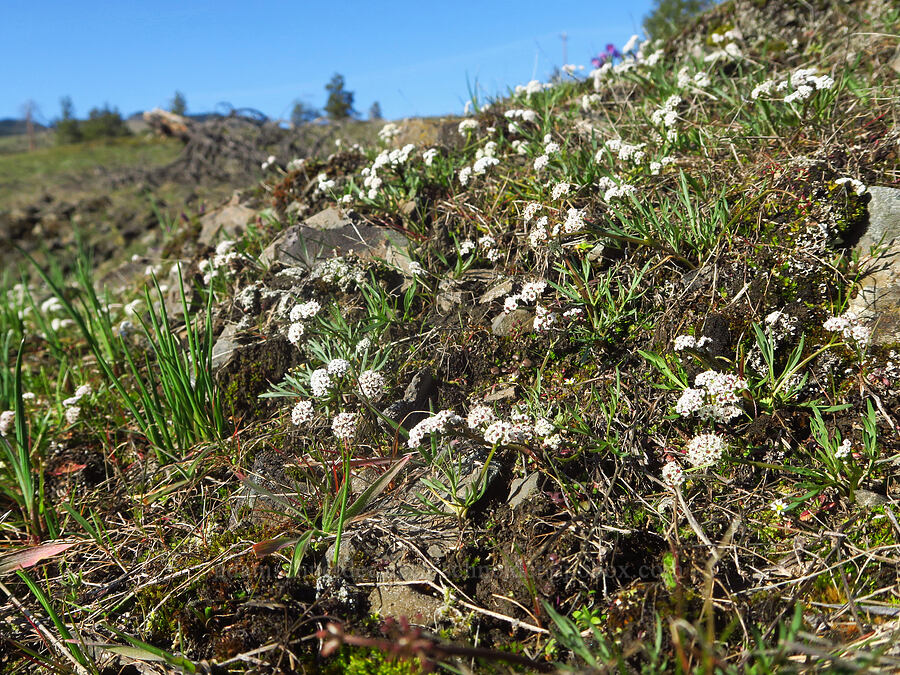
{"x": 339, "y": 105}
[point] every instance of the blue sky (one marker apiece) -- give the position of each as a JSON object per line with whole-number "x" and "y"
{"x": 412, "y": 57}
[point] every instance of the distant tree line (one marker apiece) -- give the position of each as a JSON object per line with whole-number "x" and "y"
{"x": 105, "y": 122}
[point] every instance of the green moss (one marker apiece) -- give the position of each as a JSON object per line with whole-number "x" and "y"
{"x": 355, "y": 661}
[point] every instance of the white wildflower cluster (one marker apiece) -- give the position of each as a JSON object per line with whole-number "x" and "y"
{"x": 803, "y": 83}
{"x": 540, "y": 235}
{"x": 667, "y": 116}
{"x": 362, "y": 347}
{"x": 523, "y": 115}
{"x": 385, "y": 160}
{"x": 522, "y": 427}
{"x": 337, "y": 367}
{"x": 713, "y": 397}
{"x": 858, "y": 187}
{"x": 467, "y": 126}
{"x": 320, "y": 382}
{"x": 324, "y": 183}
{"x": 439, "y": 423}
{"x": 520, "y": 147}
{"x": 224, "y": 261}
{"x": 560, "y": 190}
{"x": 590, "y": 101}
{"x": 302, "y": 413}
{"x": 531, "y": 291}
{"x": 849, "y": 326}
{"x": 700, "y": 79}
{"x": 683, "y": 342}
{"x": 489, "y": 245}
{"x": 844, "y": 450}
{"x": 71, "y": 404}
{"x": 388, "y": 131}
{"x": 624, "y": 151}
{"x": 543, "y": 319}
{"x": 485, "y": 158}
{"x": 371, "y": 384}
{"x": 416, "y": 269}
{"x": 727, "y": 47}
{"x": 269, "y": 161}
{"x": 705, "y": 449}
{"x": 340, "y": 273}
{"x": 296, "y": 164}
{"x": 7, "y": 421}
{"x": 672, "y": 474}
{"x": 613, "y": 190}
{"x": 429, "y": 155}
{"x": 467, "y": 246}
{"x": 658, "y": 165}
{"x": 541, "y": 162}
{"x": 298, "y": 314}
{"x": 533, "y": 87}
{"x": 343, "y": 426}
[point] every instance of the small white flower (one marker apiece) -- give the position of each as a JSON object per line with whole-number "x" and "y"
{"x": 844, "y": 450}
{"x": 306, "y": 310}
{"x": 320, "y": 382}
{"x": 84, "y": 390}
{"x": 779, "y": 506}
{"x": 338, "y": 367}
{"x": 541, "y": 162}
{"x": 343, "y": 426}
{"x": 72, "y": 414}
{"x": 543, "y": 319}
{"x": 468, "y": 125}
{"x": 559, "y": 190}
{"x": 672, "y": 474}
{"x": 705, "y": 449}
{"x": 302, "y": 413}
{"x": 466, "y": 247}
{"x": 7, "y": 420}
{"x": 543, "y": 428}
{"x": 496, "y": 431}
{"x": 371, "y": 384}
{"x": 295, "y": 332}
{"x": 479, "y": 417}
{"x": 464, "y": 175}
{"x": 416, "y": 269}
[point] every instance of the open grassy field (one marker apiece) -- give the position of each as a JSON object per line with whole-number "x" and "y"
{"x": 579, "y": 383}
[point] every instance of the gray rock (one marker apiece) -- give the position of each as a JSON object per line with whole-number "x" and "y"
{"x": 332, "y": 232}
{"x": 229, "y": 220}
{"x": 523, "y": 489}
{"x": 497, "y": 292}
{"x": 225, "y": 346}
{"x": 502, "y": 394}
{"x": 400, "y": 601}
{"x": 516, "y": 321}
{"x": 868, "y": 499}
{"x": 879, "y": 294}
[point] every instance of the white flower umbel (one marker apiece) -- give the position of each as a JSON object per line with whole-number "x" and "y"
{"x": 343, "y": 426}
{"x": 306, "y": 310}
{"x": 371, "y": 384}
{"x": 858, "y": 187}
{"x": 302, "y": 413}
{"x": 438, "y": 423}
{"x": 713, "y": 397}
{"x": 541, "y": 162}
{"x": 543, "y": 319}
{"x": 849, "y": 326}
{"x": 320, "y": 382}
{"x": 338, "y": 367}
{"x": 479, "y": 417}
{"x": 72, "y": 414}
{"x": 672, "y": 474}
{"x": 468, "y": 125}
{"x": 705, "y": 449}
{"x": 496, "y": 431}
{"x": 560, "y": 190}
{"x": 7, "y": 420}
{"x": 464, "y": 174}
{"x": 295, "y": 332}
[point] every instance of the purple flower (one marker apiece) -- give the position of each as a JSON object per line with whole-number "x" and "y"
{"x": 610, "y": 54}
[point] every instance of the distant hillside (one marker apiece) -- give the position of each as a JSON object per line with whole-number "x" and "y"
{"x": 12, "y": 127}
